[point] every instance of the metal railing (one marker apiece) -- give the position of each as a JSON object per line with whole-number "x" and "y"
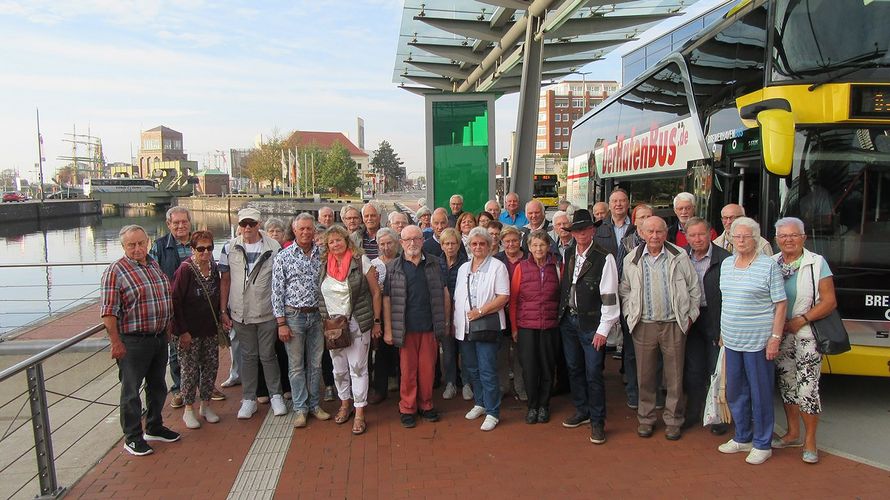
{"x": 39, "y": 405}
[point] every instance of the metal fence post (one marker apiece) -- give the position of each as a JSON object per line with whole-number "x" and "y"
{"x": 43, "y": 442}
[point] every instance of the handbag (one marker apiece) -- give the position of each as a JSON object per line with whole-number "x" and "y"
{"x": 222, "y": 336}
{"x": 829, "y": 332}
{"x": 485, "y": 328}
{"x": 336, "y": 332}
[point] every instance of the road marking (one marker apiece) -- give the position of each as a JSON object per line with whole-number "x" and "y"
{"x": 261, "y": 468}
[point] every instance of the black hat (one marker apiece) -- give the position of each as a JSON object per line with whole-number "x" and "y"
{"x": 583, "y": 220}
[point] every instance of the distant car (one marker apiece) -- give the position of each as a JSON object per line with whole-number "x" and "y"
{"x": 14, "y": 196}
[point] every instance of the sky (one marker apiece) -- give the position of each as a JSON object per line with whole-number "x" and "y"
{"x": 220, "y": 72}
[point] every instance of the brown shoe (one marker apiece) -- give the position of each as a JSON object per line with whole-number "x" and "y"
{"x": 672, "y": 432}
{"x": 176, "y": 400}
{"x": 217, "y": 395}
{"x": 375, "y": 398}
{"x": 645, "y": 430}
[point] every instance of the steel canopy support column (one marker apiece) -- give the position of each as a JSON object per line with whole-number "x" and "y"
{"x": 523, "y": 167}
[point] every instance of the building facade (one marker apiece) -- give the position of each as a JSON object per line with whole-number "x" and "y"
{"x": 326, "y": 140}
{"x": 561, "y": 105}
{"x": 159, "y": 144}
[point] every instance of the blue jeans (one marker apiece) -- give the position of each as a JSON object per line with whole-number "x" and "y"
{"x": 304, "y": 351}
{"x": 749, "y": 392}
{"x": 175, "y": 371}
{"x": 480, "y": 360}
{"x": 585, "y": 366}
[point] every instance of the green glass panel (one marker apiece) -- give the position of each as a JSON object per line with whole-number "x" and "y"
{"x": 460, "y": 153}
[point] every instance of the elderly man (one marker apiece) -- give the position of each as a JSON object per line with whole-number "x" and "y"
{"x": 456, "y": 203}
{"x": 684, "y": 208}
{"x": 493, "y": 208}
{"x": 417, "y": 309}
{"x": 560, "y": 235}
{"x": 588, "y": 307}
{"x": 728, "y": 215}
{"x": 366, "y": 239}
{"x": 534, "y": 211}
{"x": 295, "y": 306}
{"x": 326, "y": 216}
{"x": 702, "y": 341}
{"x": 563, "y": 205}
{"x": 511, "y": 216}
{"x": 660, "y": 297}
{"x": 136, "y": 308}
{"x": 246, "y": 264}
{"x": 439, "y": 222}
{"x": 351, "y": 217}
{"x": 600, "y": 211}
{"x": 398, "y": 221}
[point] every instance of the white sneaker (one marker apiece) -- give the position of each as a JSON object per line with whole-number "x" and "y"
{"x": 732, "y": 446}
{"x": 209, "y": 414}
{"x": 450, "y": 391}
{"x": 757, "y": 457}
{"x": 248, "y": 408}
{"x": 475, "y": 413}
{"x": 188, "y": 416}
{"x": 278, "y": 406}
{"x": 489, "y": 423}
{"x": 231, "y": 382}
{"x": 468, "y": 392}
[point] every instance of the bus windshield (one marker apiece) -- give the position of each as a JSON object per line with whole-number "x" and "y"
{"x": 808, "y": 41}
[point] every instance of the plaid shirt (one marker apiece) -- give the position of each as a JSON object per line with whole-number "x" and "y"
{"x": 137, "y": 295}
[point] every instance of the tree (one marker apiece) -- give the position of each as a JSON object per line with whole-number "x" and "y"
{"x": 386, "y": 164}
{"x": 68, "y": 176}
{"x": 338, "y": 171}
{"x": 264, "y": 163}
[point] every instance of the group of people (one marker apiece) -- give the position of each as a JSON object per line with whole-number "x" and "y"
{"x": 510, "y": 298}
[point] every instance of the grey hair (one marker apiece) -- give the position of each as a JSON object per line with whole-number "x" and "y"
{"x": 684, "y": 196}
{"x": 422, "y": 211}
{"x": 490, "y": 202}
{"x": 322, "y": 209}
{"x": 459, "y": 197}
{"x": 386, "y": 231}
{"x": 789, "y": 221}
{"x": 535, "y": 202}
{"x": 570, "y": 211}
{"x": 129, "y": 229}
{"x": 421, "y": 202}
{"x": 301, "y": 216}
{"x": 274, "y": 223}
{"x": 746, "y": 222}
{"x": 480, "y": 232}
{"x": 694, "y": 221}
{"x": 370, "y": 204}
{"x": 345, "y": 210}
{"x": 396, "y": 213}
{"x": 178, "y": 210}
{"x": 560, "y": 213}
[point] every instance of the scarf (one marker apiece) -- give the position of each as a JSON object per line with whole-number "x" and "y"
{"x": 339, "y": 272}
{"x": 788, "y": 270}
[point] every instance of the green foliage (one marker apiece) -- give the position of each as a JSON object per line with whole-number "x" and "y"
{"x": 386, "y": 164}
{"x": 338, "y": 171}
{"x": 264, "y": 164}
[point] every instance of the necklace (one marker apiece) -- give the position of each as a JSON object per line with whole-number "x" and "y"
{"x": 746, "y": 266}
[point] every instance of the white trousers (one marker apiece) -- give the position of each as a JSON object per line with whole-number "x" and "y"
{"x": 351, "y": 367}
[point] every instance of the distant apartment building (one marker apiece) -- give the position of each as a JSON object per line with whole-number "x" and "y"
{"x": 562, "y": 104}
{"x": 159, "y": 144}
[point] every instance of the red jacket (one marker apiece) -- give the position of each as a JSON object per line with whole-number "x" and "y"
{"x": 534, "y": 294}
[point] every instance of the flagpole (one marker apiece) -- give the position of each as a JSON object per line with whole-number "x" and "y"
{"x": 40, "y": 155}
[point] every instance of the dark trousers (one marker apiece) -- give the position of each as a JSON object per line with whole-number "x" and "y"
{"x": 585, "y": 369}
{"x": 701, "y": 359}
{"x": 327, "y": 369}
{"x": 146, "y": 359}
{"x": 537, "y": 353}
{"x": 385, "y": 359}
{"x": 175, "y": 370}
{"x": 629, "y": 363}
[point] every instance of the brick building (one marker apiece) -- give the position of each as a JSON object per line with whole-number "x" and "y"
{"x": 325, "y": 140}
{"x": 159, "y": 144}
{"x": 561, "y": 105}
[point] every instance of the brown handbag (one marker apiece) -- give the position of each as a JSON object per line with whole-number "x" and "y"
{"x": 336, "y": 332}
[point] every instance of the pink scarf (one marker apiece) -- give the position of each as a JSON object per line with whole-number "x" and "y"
{"x": 341, "y": 270}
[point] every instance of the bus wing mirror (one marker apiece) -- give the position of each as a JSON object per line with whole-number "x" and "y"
{"x": 777, "y": 140}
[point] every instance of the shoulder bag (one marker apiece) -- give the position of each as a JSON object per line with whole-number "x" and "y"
{"x": 336, "y": 332}
{"x": 222, "y": 336}
{"x": 485, "y": 328}
{"x": 829, "y": 332}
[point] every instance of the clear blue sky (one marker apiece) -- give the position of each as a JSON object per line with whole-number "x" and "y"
{"x": 220, "y": 72}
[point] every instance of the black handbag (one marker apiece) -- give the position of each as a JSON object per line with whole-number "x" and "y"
{"x": 485, "y": 328}
{"x": 829, "y": 332}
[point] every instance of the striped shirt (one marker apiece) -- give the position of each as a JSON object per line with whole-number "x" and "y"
{"x": 656, "y": 288}
{"x": 369, "y": 245}
{"x": 137, "y": 295}
{"x": 749, "y": 302}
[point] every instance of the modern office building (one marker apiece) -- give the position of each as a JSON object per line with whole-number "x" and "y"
{"x": 562, "y": 104}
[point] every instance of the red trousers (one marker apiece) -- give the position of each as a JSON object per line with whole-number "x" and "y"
{"x": 417, "y": 360}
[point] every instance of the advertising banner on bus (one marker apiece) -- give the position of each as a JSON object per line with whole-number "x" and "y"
{"x": 652, "y": 151}
{"x": 578, "y": 181}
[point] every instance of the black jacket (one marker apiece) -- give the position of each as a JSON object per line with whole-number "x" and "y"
{"x": 709, "y": 320}
{"x": 164, "y": 251}
{"x": 587, "y": 289}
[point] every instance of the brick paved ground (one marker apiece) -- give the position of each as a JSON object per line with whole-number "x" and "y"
{"x": 63, "y": 326}
{"x": 454, "y": 459}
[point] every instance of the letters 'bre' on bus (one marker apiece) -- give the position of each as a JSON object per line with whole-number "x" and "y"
{"x": 781, "y": 109}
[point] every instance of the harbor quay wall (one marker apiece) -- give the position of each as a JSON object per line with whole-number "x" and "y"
{"x": 266, "y": 206}
{"x": 36, "y": 210}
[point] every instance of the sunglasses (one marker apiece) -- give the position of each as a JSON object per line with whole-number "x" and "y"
{"x": 248, "y": 223}
{"x": 204, "y": 249}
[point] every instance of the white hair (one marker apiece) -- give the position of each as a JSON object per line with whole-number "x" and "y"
{"x": 421, "y": 202}
{"x": 560, "y": 213}
{"x": 534, "y": 202}
{"x": 136, "y": 227}
{"x": 684, "y": 196}
{"x": 370, "y": 204}
{"x": 459, "y": 197}
{"x": 745, "y": 222}
{"x": 480, "y": 232}
{"x": 178, "y": 210}
{"x": 791, "y": 221}
{"x": 395, "y": 213}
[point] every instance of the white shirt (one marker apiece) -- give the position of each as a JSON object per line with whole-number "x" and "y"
{"x": 609, "y": 314}
{"x": 336, "y": 292}
{"x": 493, "y": 279}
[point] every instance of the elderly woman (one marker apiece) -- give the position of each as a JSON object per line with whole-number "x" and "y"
{"x": 534, "y": 320}
{"x": 494, "y": 230}
{"x": 751, "y": 326}
{"x": 452, "y": 259}
{"x": 195, "y": 311}
{"x": 484, "y": 219}
{"x": 640, "y": 213}
{"x": 508, "y": 360}
{"x": 422, "y": 217}
{"x": 810, "y": 289}
{"x": 386, "y": 357}
{"x": 276, "y": 230}
{"x": 482, "y": 288}
{"x": 465, "y": 222}
{"x": 349, "y": 286}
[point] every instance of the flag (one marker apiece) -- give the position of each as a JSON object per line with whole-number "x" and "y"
{"x": 290, "y": 165}
{"x": 283, "y": 168}
{"x": 296, "y": 165}
{"x": 40, "y": 140}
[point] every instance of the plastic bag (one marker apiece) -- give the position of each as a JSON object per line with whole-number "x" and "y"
{"x": 716, "y": 407}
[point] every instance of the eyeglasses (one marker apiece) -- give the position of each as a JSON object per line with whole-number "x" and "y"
{"x": 742, "y": 237}
{"x": 729, "y": 217}
{"x": 247, "y": 223}
{"x": 415, "y": 240}
{"x": 794, "y": 236}
{"x": 204, "y": 249}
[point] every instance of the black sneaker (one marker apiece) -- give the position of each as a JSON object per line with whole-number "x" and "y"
{"x": 163, "y": 434}
{"x": 597, "y": 434}
{"x": 138, "y": 447}
{"x": 543, "y": 415}
{"x": 576, "y": 420}
{"x": 532, "y": 416}
{"x": 431, "y": 415}
{"x": 408, "y": 420}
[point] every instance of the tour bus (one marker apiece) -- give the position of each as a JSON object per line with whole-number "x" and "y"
{"x": 782, "y": 106}
{"x": 118, "y": 185}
